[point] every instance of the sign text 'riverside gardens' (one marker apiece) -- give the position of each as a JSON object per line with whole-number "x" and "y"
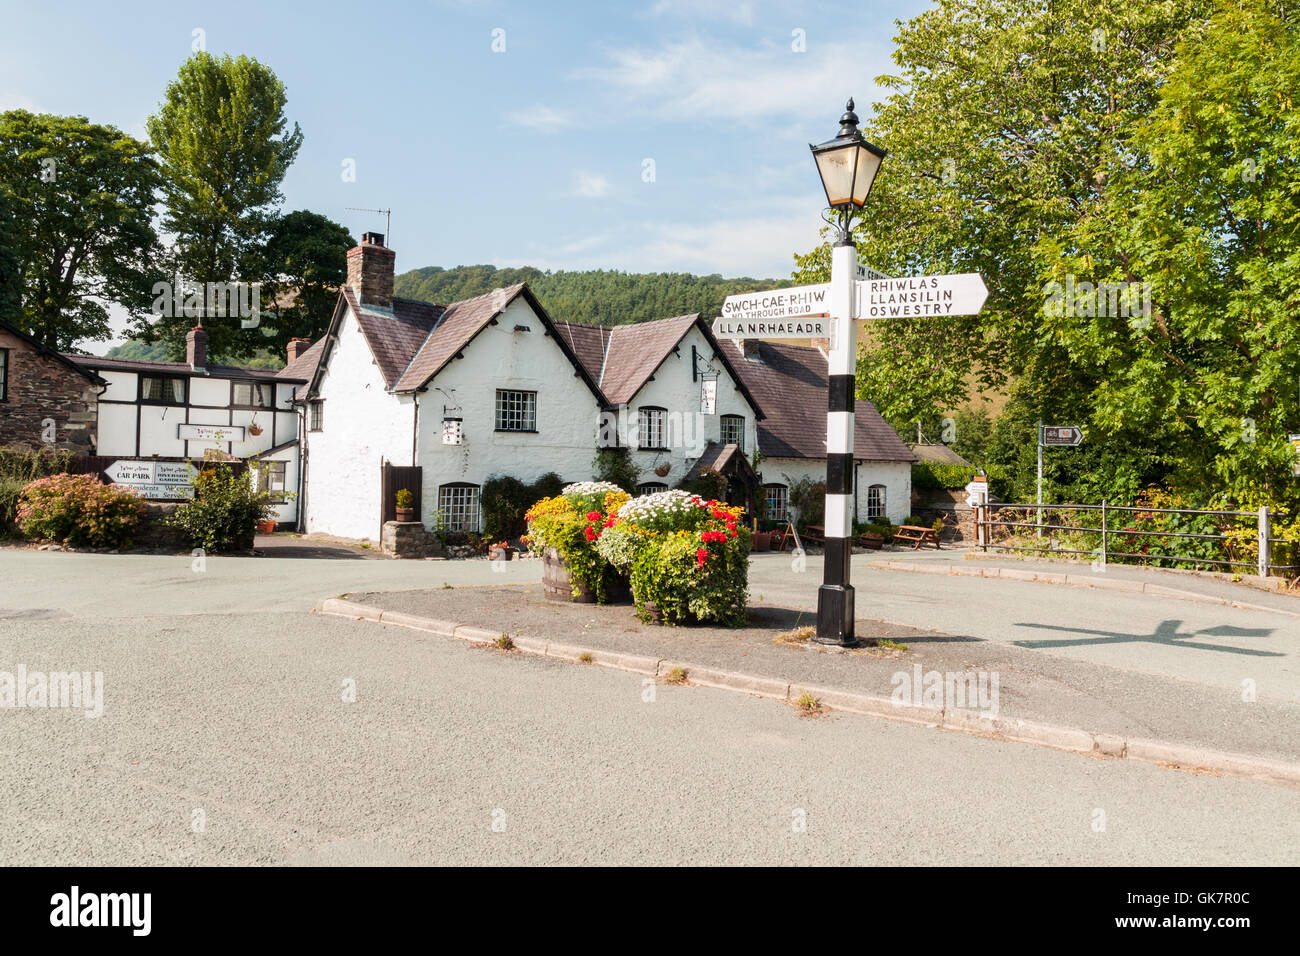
{"x": 803, "y": 312}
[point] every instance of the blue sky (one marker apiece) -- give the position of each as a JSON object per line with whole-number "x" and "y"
{"x": 531, "y": 156}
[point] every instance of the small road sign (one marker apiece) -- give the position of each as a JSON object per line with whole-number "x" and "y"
{"x": 1061, "y": 435}
{"x": 796, "y": 313}
{"x": 912, "y": 296}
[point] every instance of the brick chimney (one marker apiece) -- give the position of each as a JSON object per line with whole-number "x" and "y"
{"x": 296, "y": 347}
{"x": 370, "y": 271}
{"x": 196, "y": 347}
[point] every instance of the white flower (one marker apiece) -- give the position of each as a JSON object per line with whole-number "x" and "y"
{"x": 589, "y": 488}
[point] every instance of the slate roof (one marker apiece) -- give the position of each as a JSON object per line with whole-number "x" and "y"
{"x": 635, "y": 351}
{"x": 396, "y": 335}
{"x": 938, "y": 454}
{"x": 622, "y": 358}
{"x": 303, "y": 368}
{"x": 790, "y": 383}
{"x": 63, "y": 358}
{"x": 459, "y": 323}
{"x": 175, "y": 368}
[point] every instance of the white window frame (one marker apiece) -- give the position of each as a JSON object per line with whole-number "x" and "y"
{"x": 737, "y": 421}
{"x": 516, "y": 410}
{"x": 652, "y": 423}
{"x": 458, "y": 506}
{"x": 650, "y": 487}
{"x": 782, "y": 496}
{"x": 260, "y": 394}
{"x": 273, "y": 476}
{"x": 876, "y": 502}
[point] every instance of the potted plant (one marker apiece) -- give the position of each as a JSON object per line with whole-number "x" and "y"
{"x": 266, "y": 526}
{"x": 405, "y": 501}
{"x": 501, "y": 551}
{"x": 760, "y": 541}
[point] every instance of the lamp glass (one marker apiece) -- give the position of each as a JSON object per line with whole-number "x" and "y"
{"x": 836, "y": 167}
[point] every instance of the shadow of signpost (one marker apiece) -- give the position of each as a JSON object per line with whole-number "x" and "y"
{"x": 1165, "y": 635}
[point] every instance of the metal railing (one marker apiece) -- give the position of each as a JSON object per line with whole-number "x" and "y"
{"x": 1002, "y": 535}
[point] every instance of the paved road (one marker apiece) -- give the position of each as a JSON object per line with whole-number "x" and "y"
{"x": 222, "y": 696}
{"x": 1209, "y": 644}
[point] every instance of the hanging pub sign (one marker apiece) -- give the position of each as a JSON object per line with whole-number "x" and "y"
{"x": 452, "y": 431}
{"x": 709, "y": 396}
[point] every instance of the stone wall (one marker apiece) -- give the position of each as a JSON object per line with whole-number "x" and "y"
{"x": 45, "y": 399}
{"x": 409, "y": 539}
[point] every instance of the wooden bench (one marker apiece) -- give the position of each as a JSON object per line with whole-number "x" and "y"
{"x": 911, "y": 532}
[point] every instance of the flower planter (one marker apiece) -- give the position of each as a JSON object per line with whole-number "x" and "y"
{"x": 559, "y": 586}
{"x": 405, "y": 514}
{"x": 873, "y": 541}
{"x": 501, "y": 554}
{"x": 760, "y": 541}
{"x": 266, "y": 527}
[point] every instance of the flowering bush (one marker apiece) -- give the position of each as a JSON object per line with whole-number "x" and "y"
{"x": 687, "y": 557}
{"x": 80, "y": 511}
{"x": 572, "y": 523}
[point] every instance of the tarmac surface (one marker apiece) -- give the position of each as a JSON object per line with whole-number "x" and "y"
{"x": 240, "y": 728}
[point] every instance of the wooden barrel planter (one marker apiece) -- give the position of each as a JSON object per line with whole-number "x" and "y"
{"x": 559, "y": 586}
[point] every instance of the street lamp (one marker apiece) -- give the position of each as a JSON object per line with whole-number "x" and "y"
{"x": 847, "y": 166}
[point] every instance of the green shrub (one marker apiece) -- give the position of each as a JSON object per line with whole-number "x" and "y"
{"x": 225, "y": 510}
{"x": 404, "y": 498}
{"x": 504, "y": 501}
{"x": 808, "y": 500}
{"x": 616, "y": 466}
{"x": 78, "y": 510}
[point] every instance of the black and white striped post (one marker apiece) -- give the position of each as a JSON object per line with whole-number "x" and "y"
{"x": 847, "y": 165}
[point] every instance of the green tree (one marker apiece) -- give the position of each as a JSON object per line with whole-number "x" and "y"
{"x": 1017, "y": 150}
{"x": 80, "y": 200}
{"x": 225, "y": 145}
{"x": 11, "y": 266}
{"x": 305, "y": 266}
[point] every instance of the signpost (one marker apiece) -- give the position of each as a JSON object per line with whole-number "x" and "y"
{"x": 164, "y": 480}
{"x": 831, "y": 311}
{"x": 1053, "y": 436}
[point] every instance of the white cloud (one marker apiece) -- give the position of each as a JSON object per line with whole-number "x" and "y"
{"x": 736, "y": 12}
{"x": 590, "y": 185}
{"x": 16, "y": 101}
{"x": 699, "y": 80}
{"x": 543, "y": 119}
{"x": 759, "y": 244}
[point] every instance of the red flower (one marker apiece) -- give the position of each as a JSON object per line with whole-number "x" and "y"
{"x": 609, "y": 522}
{"x": 590, "y": 533}
{"x": 701, "y": 555}
{"x": 593, "y": 515}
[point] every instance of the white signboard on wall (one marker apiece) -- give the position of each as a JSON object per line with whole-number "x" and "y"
{"x": 217, "y": 433}
{"x": 153, "y": 479}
